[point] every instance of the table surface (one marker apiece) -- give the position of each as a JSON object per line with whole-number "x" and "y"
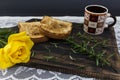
{"x": 26, "y": 73}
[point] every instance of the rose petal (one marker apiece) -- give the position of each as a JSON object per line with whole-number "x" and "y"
{"x": 22, "y": 36}
{"x": 17, "y": 52}
{"x": 4, "y": 63}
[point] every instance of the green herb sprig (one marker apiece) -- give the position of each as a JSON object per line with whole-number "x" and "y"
{"x": 49, "y": 58}
{"x": 85, "y": 47}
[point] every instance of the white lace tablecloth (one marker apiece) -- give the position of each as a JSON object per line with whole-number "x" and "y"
{"x": 25, "y": 73}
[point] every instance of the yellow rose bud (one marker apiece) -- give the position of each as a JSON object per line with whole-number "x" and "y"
{"x": 16, "y": 51}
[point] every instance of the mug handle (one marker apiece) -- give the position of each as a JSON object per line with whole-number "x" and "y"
{"x": 114, "y": 22}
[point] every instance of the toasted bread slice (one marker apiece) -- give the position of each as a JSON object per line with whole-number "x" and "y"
{"x": 55, "y": 28}
{"x": 33, "y": 30}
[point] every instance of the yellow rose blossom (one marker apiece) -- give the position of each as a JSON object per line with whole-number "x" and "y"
{"x": 16, "y": 51}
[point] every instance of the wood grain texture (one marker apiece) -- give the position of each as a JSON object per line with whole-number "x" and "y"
{"x": 83, "y": 66}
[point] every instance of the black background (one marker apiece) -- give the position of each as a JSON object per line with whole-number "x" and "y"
{"x": 53, "y": 7}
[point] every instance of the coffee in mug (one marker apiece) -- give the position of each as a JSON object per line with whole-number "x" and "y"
{"x": 95, "y": 19}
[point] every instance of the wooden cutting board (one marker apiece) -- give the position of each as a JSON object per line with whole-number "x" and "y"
{"x": 57, "y": 55}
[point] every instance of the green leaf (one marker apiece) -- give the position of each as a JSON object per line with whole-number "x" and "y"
{"x": 49, "y": 58}
{"x": 97, "y": 62}
{"x": 4, "y": 34}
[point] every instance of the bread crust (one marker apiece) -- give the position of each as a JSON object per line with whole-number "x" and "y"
{"x": 33, "y": 30}
{"x": 55, "y": 28}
